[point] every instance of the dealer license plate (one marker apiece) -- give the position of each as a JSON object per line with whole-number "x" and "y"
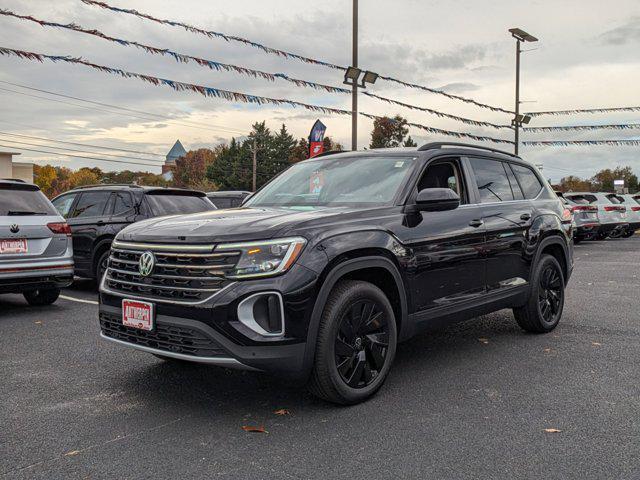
{"x": 13, "y": 245}
{"x": 137, "y": 314}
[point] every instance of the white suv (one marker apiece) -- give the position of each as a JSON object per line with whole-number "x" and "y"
{"x": 36, "y": 256}
{"x": 612, "y": 214}
{"x": 632, "y": 202}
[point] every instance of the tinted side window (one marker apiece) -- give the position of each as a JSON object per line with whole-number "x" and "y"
{"x": 491, "y": 178}
{"x": 529, "y": 181}
{"x": 123, "y": 203}
{"x": 515, "y": 187}
{"x": 63, "y": 204}
{"x": 221, "y": 202}
{"x": 91, "y": 204}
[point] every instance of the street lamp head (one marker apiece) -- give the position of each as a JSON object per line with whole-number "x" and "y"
{"x": 369, "y": 77}
{"x": 351, "y": 75}
{"x": 526, "y": 119}
{"x": 521, "y": 35}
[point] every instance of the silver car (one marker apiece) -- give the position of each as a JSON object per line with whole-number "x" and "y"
{"x": 632, "y": 202}
{"x": 612, "y": 215}
{"x": 36, "y": 256}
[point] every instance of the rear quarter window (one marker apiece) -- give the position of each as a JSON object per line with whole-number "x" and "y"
{"x": 528, "y": 180}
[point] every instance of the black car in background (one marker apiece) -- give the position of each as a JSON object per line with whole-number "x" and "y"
{"x": 97, "y": 213}
{"x": 229, "y": 199}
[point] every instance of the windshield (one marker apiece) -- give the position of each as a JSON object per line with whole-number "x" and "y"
{"x": 345, "y": 181}
{"x": 163, "y": 204}
{"x": 24, "y": 200}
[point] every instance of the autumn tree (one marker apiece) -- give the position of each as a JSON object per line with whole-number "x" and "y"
{"x": 191, "y": 169}
{"x": 603, "y": 180}
{"x": 85, "y": 176}
{"x": 390, "y": 132}
{"x": 574, "y": 184}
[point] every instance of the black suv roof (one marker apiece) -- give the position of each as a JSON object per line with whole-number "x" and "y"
{"x": 143, "y": 188}
{"x": 433, "y": 146}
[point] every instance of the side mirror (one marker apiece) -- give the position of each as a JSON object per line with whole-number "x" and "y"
{"x": 437, "y": 200}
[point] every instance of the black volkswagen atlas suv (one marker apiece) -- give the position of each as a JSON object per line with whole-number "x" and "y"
{"x": 321, "y": 273}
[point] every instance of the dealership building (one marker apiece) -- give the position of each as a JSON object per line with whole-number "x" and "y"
{"x": 12, "y": 169}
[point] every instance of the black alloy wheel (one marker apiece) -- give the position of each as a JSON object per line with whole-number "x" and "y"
{"x": 103, "y": 263}
{"x": 550, "y": 294}
{"x": 355, "y": 345}
{"x": 543, "y": 310}
{"x": 362, "y": 343}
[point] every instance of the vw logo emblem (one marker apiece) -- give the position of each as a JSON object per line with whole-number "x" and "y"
{"x": 146, "y": 263}
{"x": 14, "y": 228}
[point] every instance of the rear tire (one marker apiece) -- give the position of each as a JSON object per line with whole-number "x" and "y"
{"x": 356, "y": 344}
{"x": 628, "y": 233}
{"x": 40, "y": 297}
{"x": 543, "y": 310}
{"x": 577, "y": 240}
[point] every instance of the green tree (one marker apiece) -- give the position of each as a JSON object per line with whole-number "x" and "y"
{"x": 390, "y": 132}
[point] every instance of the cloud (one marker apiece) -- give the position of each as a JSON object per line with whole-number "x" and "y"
{"x": 627, "y": 33}
{"x": 459, "y": 87}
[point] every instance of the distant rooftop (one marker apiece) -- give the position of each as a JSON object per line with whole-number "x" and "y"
{"x": 9, "y": 153}
{"x": 176, "y": 152}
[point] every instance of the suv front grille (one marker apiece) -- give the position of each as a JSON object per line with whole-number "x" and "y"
{"x": 169, "y": 338}
{"x": 177, "y": 276}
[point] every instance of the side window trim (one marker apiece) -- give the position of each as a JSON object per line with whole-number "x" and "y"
{"x": 507, "y": 166}
{"x": 456, "y": 161}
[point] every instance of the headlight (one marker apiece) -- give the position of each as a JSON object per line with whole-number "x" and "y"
{"x": 264, "y": 258}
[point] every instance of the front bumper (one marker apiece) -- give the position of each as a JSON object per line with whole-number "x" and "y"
{"x": 209, "y": 332}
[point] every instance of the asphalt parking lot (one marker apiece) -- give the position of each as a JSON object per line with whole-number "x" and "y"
{"x": 471, "y": 401}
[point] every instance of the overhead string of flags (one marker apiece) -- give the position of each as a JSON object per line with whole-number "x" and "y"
{"x": 229, "y": 95}
{"x": 257, "y": 99}
{"x": 215, "y": 65}
{"x": 284, "y": 53}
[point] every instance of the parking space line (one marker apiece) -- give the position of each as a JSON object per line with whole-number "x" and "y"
{"x": 79, "y": 300}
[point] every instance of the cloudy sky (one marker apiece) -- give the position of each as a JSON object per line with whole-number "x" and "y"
{"x": 587, "y": 57}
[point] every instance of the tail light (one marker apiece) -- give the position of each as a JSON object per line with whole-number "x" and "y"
{"x": 566, "y": 215}
{"x": 635, "y": 209}
{"x": 60, "y": 227}
{"x": 614, "y": 208}
{"x": 582, "y": 208}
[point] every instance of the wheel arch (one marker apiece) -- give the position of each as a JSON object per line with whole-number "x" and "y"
{"x": 368, "y": 265}
{"x": 556, "y": 247}
{"x": 101, "y": 245}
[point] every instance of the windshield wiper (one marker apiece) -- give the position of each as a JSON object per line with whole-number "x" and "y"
{"x": 24, "y": 212}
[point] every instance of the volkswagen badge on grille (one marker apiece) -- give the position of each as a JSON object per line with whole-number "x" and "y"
{"x": 146, "y": 263}
{"x": 14, "y": 228}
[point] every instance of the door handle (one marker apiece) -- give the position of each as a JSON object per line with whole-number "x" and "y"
{"x": 476, "y": 223}
{"x": 525, "y": 217}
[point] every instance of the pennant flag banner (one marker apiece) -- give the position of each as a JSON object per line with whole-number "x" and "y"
{"x": 281, "y": 53}
{"x": 448, "y": 95}
{"x": 566, "y": 143}
{"x": 215, "y": 65}
{"x": 217, "y": 92}
{"x": 468, "y": 121}
{"x": 624, "y": 126}
{"x": 584, "y": 110}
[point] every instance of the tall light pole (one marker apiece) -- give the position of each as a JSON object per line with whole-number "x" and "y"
{"x": 520, "y": 36}
{"x": 354, "y": 86}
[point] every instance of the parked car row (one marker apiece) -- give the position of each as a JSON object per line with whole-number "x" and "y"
{"x": 600, "y": 215}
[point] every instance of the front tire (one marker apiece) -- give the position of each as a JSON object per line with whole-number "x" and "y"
{"x": 41, "y": 297}
{"x": 356, "y": 343}
{"x": 101, "y": 265}
{"x": 543, "y": 310}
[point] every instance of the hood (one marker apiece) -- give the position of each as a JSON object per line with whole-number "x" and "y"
{"x": 238, "y": 224}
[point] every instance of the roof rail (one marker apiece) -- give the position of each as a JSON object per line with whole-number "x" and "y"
{"x": 327, "y": 153}
{"x": 434, "y": 145}
{"x": 107, "y": 185}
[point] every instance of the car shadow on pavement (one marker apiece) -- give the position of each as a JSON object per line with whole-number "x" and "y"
{"x": 203, "y": 391}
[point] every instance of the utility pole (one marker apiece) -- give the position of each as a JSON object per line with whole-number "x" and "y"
{"x": 354, "y": 87}
{"x": 254, "y": 150}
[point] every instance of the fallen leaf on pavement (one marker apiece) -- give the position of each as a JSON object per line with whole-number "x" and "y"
{"x": 596, "y": 344}
{"x": 552, "y": 430}
{"x": 38, "y": 322}
{"x": 483, "y": 340}
{"x": 282, "y": 411}
{"x": 546, "y": 350}
{"x": 72, "y": 453}
{"x": 249, "y": 428}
